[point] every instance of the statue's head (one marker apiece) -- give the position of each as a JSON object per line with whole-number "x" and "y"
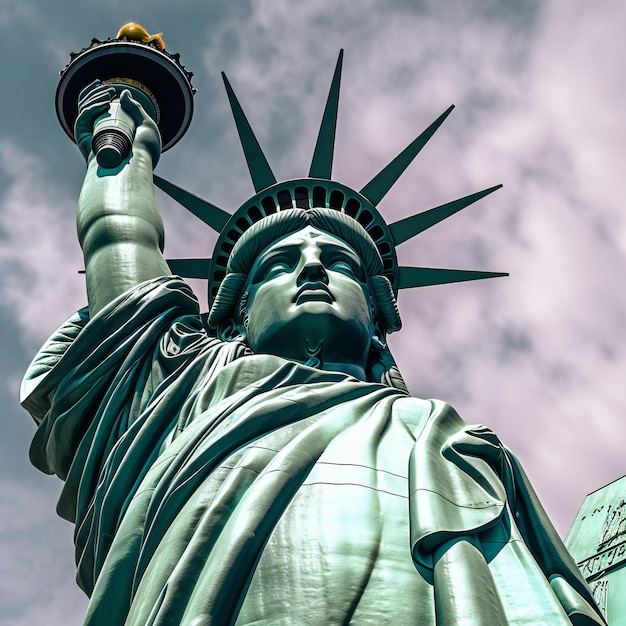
{"x": 307, "y": 268}
{"x": 308, "y": 286}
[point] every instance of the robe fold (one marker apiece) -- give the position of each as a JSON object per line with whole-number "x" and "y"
{"x": 210, "y": 485}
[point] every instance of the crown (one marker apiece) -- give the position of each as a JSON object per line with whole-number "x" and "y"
{"x": 318, "y": 190}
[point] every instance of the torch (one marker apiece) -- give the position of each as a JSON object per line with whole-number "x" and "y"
{"x": 136, "y": 61}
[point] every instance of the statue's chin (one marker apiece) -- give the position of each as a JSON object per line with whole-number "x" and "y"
{"x": 328, "y": 338}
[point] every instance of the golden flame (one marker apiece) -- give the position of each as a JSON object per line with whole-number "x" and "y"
{"x": 136, "y": 32}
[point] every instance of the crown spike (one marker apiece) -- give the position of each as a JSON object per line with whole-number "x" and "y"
{"x": 260, "y": 171}
{"x": 376, "y": 189}
{"x": 190, "y": 268}
{"x": 210, "y": 214}
{"x": 322, "y": 162}
{"x": 409, "y": 227}
{"x": 425, "y": 276}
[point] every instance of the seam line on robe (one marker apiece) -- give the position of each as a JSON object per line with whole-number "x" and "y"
{"x": 321, "y": 482}
{"x": 477, "y": 505}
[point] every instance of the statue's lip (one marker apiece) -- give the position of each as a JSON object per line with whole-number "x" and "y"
{"x": 313, "y": 292}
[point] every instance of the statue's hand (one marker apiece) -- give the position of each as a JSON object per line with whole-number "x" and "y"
{"x": 93, "y": 101}
{"x": 147, "y": 133}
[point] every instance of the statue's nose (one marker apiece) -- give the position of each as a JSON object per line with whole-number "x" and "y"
{"x": 312, "y": 272}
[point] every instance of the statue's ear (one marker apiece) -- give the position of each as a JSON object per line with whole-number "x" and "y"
{"x": 231, "y": 331}
{"x": 379, "y": 342}
{"x": 377, "y": 361}
{"x": 381, "y": 367}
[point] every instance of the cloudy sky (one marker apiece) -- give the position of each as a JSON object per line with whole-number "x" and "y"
{"x": 540, "y": 95}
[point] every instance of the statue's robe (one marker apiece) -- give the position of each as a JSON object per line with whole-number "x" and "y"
{"x": 210, "y": 485}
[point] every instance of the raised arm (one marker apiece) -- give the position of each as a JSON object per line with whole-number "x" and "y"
{"x": 119, "y": 226}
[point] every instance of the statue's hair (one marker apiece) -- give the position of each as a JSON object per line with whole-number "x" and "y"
{"x": 385, "y": 300}
{"x": 278, "y": 225}
{"x": 274, "y": 227}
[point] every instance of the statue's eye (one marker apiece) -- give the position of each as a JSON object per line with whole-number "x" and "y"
{"x": 276, "y": 269}
{"x": 347, "y": 266}
{"x": 273, "y": 266}
{"x": 342, "y": 266}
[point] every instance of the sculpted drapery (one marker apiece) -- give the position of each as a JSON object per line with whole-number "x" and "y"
{"x": 211, "y": 485}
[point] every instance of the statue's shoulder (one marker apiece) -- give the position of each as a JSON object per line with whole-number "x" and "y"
{"x": 161, "y": 312}
{"x": 414, "y": 413}
{"x": 46, "y": 360}
{"x": 419, "y": 414}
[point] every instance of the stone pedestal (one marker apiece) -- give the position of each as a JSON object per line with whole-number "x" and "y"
{"x": 597, "y": 540}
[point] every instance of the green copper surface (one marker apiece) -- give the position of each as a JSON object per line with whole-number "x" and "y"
{"x": 426, "y": 276}
{"x": 322, "y": 163}
{"x": 272, "y": 468}
{"x": 308, "y": 298}
{"x": 190, "y": 268}
{"x": 259, "y": 168}
{"x": 210, "y": 214}
{"x": 406, "y": 229}
{"x": 597, "y": 540}
{"x": 378, "y": 187}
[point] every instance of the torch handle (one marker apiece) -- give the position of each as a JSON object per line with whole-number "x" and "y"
{"x": 113, "y": 136}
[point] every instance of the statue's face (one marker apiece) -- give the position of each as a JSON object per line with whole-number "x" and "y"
{"x": 308, "y": 295}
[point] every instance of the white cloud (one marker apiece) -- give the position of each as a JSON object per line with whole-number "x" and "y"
{"x": 39, "y": 252}
{"x": 36, "y": 556}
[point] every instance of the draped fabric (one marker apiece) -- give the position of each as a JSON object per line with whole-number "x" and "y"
{"x": 209, "y": 485}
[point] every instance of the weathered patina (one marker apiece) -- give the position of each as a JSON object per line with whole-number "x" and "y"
{"x": 269, "y": 466}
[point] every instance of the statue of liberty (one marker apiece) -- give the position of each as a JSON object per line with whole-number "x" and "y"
{"x": 266, "y": 464}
